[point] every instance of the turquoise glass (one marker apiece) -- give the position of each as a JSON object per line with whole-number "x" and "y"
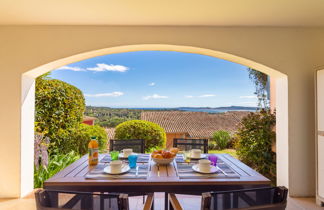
{"x": 132, "y": 159}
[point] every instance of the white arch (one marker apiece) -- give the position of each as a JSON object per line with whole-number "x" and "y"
{"x": 149, "y": 47}
{"x": 28, "y": 99}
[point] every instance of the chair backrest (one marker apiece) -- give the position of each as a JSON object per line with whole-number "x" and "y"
{"x": 138, "y": 145}
{"x": 268, "y": 198}
{"x": 65, "y": 200}
{"x": 188, "y": 144}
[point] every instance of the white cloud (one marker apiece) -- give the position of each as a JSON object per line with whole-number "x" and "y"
{"x": 100, "y": 67}
{"x": 71, "y": 68}
{"x": 154, "y": 96}
{"x": 248, "y": 97}
{"x": 188, "y": 96}
{"x": 108, "y": 67}
{"x": 113, "y": 94}
{"x": 151, "y": 84}
{"x": 206, "y": 95}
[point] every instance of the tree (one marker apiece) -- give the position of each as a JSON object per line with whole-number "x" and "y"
{"x": 253, "y": 142}
{"x": 59, "y": 106}
{"x": 260, "y": 81}
{"x": 152, "y": 133}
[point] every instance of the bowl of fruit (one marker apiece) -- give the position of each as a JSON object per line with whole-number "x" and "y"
{"x": 164, "y": 157}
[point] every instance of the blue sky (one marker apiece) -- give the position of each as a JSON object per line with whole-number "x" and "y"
{"x": 159, "y": 79}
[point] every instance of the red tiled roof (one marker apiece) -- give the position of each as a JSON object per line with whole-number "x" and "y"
{"x": 197, "y": 124}
{"x": 86, "y": 118}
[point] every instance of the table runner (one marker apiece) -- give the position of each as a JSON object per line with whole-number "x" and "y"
{"x": 142, "y": 158}
{"x": 185, "y": 170}
{"x": 98, "y": 173}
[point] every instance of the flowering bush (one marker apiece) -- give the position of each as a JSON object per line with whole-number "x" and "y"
{"x": 41, "y": 144}
{"x": 55, "y": 164}
{"x": 45, "y": 166}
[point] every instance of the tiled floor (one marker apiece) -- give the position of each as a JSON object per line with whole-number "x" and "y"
{"x": 188, "y": 203}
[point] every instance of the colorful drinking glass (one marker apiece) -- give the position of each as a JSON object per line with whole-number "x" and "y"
{"x": 132, "y": 159}
{"x": 186, "y": 156}
{"x": 114, "y": 155}
{"x": 213, "y": 159}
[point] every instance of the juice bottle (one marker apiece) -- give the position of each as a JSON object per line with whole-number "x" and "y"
{"x": 93, "y": 151}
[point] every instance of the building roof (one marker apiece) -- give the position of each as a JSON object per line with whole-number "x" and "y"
{"x": 196, "y": 124}
{"x": 86, "y": 118}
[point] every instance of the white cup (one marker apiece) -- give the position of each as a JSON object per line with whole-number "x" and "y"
{"x": 204, "y": 165}
{"x": 127, "y": 152}
{"x": 195, "y": 153}
{"x": 116, "y": 166}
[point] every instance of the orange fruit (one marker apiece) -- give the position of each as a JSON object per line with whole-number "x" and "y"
{"x": 173, "y": 155}
{"x": 166, "y": 154}
{"x": 174, "y": 150}
{"x": 159, "y": 156}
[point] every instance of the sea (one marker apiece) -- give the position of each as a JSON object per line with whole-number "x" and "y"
{"x": 204, "y": 109}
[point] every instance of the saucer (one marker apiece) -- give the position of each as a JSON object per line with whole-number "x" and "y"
{"x": 122, "y": 156}
{"x": 125, "y": 168}
{"x": 212, "y": 169}
{"x": 202, "y": 156}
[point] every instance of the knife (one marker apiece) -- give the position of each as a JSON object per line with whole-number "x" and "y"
{"x": 136, "y": 174}
{"x": 222, "y": 171}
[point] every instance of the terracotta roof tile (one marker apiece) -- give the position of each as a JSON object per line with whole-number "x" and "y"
{"x": 196, "y": 124}
{"x": 85, "y": 118}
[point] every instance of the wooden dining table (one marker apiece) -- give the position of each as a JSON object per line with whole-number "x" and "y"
{"x": 159, "y": 178}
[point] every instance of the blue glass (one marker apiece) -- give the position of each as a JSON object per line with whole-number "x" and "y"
{"x": 132, "y": 159}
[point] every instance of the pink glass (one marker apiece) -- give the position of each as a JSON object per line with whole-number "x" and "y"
{"x": 213, "y": 159}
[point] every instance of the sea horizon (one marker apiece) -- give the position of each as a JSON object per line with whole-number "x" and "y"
{"x": 191, "y": 109}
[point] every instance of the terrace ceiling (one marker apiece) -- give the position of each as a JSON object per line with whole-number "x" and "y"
{"x": 163, "y": 12}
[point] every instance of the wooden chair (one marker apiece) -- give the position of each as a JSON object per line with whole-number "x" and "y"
{"x": 64, "y": 200}
{"x": 268, "y": 198}
{"x": 188, "y": 144}
{"x": 138, "y": 145}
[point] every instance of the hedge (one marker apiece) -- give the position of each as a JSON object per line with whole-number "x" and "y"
{"x": 152, "y": 133}
{"x": 59, "y": 106}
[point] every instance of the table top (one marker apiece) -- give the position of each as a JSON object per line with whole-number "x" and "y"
{"x": 160, "y": 178}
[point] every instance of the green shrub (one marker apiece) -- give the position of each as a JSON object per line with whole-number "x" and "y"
{"x": 77, "y": 139}
{"x": 56, "y": 163}
{"x": 59, "y": 106}
{"x": 221, "y": 139}
{"x": 152, "y": 133}
{"x": 83, "y": 135}
{"x": 254, "y": 140}
{"x": 212, "y": 144}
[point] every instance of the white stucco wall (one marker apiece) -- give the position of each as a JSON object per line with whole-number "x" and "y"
{"x": 296, "y": 52}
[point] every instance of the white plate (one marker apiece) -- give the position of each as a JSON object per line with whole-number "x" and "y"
{"x": 121, "y": 155}
{"x": 212, "y": 170}
{"x": 125, "y": 168}
{"x": 202, "y": 156}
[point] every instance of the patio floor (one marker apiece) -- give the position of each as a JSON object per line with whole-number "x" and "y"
{"x": 188, "y": 202}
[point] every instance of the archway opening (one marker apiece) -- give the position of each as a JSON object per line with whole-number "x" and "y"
{"x": 28, "y": 94}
